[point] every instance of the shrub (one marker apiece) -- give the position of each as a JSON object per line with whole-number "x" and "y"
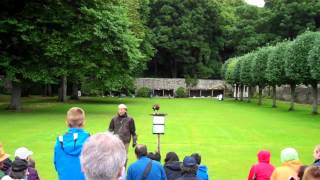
{"x": 144, "y": 92}
{"x": 181, "y": 92}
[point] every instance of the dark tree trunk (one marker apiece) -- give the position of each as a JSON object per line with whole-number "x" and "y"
{"x": 45, "y": 90}
{"x": 155, "y": 68}
{"x": 293, "y": 94}
{"x": 260, "y": 95}
{"x": 75, "y": 88}
{"x": 315, "y": 98}
{"x": 49, "y": 87}
{"x": 63, "y": 89}
{"x": 174, "y": 68}
{"x": 237, "y": 90}
{"x": 274, "y": 96}
{"x": 249, "y": 94}
{"x": 241, "y": 92}
{"x": 15, "y": 103}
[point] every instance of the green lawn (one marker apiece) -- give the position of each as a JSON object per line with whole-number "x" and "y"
{"x": 227, "y": 134}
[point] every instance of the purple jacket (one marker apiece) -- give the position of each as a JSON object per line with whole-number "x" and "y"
{"x": 33, "y": 174}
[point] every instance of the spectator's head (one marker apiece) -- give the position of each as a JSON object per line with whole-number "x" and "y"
{"x": 289, "y": 154}
{"x": 264, "y": 156}
{"x": 103, "y": 157}
{"x": 18, "y": 169}
{"x": 316, "y": 153}
{"x": 3, "y": 156}
{"x": 141, "y": 150}
{"x": 32, "y": 163}
{"x": 171, "y": 156}
{"x": 75, "y": 117}
{"x": 154, "y": 156}
{"x": 312, "y": 173}
{"x": 23, "y": 153}
{"x": 301, "y": 171}
{"x": 122, "y": 109}
{"x": 189, "y": 166}
{"x": 197, "y": 157}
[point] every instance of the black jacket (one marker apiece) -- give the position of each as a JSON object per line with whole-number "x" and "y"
{"x": 188, "y": 177}
{"x": 173, "y": 170}
{"x": 124, "y": 127}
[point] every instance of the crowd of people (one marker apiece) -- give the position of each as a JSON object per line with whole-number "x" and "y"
{"x": 104, "y": 156}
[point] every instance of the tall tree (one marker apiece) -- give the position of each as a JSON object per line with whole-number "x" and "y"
{"x": 275, "y": 72}
{"x": 186, "y": 34}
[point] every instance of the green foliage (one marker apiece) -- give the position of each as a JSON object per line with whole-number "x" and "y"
{"x": 245, "y": 70}
{"x": 314, "y": 60}
{"x": 296, "y": 61}
{"x": 259, "y": 65}
{"x": 229, "y": 72}
{"x": 275, "y": 72}
{"x": 186, "y": 37}
{"x": 181, "y": 92}
{"x": 144, "y": 92}
{"x": 191, "y": 81}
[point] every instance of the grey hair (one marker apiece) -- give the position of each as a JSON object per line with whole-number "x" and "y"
{"x": 102, "y": 157}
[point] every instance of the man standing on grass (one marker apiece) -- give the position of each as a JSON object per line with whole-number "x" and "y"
{"x": 124, "y": 127}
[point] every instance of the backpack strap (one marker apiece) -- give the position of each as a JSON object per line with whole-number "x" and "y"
{"x": 147, "y": 170}
{"x": 60, "y": 138}
{"x": 75, "y": 138}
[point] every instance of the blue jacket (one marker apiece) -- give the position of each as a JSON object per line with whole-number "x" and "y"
{"x": 136, "y": 170}
{"x": 67, "y": 152}
{"x": 203, "y": 172}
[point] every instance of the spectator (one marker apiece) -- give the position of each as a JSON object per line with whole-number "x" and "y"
{"x": 172, "y": 166}
{"x": 290, "y": 165}
{"x": 18, "y": 170}
{"x": 316, "y": 155}
{"x": 25, "y": 154}
{"x": 189, "y": 169}
{"x": 154, "y": 156}
{"x": 68, "y": 147}
{"x": 202, "y": 172}
{"x": 301, "y": 172}
{"x": 312, "y": 173}
{"x": 3, "y": 157}
{"x": 103, "y": 157}
{"x": 263, "y": 169}
{"x": 145, "y": 168}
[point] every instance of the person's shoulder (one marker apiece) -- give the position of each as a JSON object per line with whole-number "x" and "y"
{"x": 156, "y": 163}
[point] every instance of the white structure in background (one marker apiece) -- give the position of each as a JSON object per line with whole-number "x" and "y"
{"x": 245, "y": 91}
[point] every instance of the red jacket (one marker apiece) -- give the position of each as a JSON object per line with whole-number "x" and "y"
{"x": 263, "y": 169}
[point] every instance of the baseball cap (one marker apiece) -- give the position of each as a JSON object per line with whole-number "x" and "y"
{"x": 189, "y": 161}
{"x": 23, "y": 153}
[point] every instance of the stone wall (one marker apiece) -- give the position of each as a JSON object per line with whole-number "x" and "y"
{"x": 303, "y": 93}
{"x": 175, "y": 83}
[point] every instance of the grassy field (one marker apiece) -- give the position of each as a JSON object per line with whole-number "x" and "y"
{"x": 227, "y": 134}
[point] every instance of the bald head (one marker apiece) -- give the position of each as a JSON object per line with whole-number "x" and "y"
{"x": 141, "y": 150}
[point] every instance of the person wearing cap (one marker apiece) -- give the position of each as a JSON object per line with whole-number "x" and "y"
{"x": 68, "y": 147}
{"x": 263, "y": 169}
{"x": 25, "y": 154}
{"x": 3, "y": 157}
{"x": 18, "y": 170}
{"x": 202, "y": 169}
{"x": 189, "y": 169}
{"x": 290, "y": 165}
{"x": 124, "y": 127}
{"x": 145, "y": 168}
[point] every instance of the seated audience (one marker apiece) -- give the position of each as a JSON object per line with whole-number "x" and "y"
{"x": 172, "y": 166}
{"x": 290, "y": 166}
{"x": 263, "y": 169}
{"x": 312, "y": 173}
{"x": 145, "y": 168}
{"x": 202, "y": 169}
{"x": 25, "y": 154}
{"x": 189, "y": 169}
{"x": 103, "y": 157}
{"x": 316, "y": 155}
{"x": 18, "y": 170}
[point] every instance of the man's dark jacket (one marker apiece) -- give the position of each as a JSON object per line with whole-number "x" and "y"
{"x": 124, "y": 127}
